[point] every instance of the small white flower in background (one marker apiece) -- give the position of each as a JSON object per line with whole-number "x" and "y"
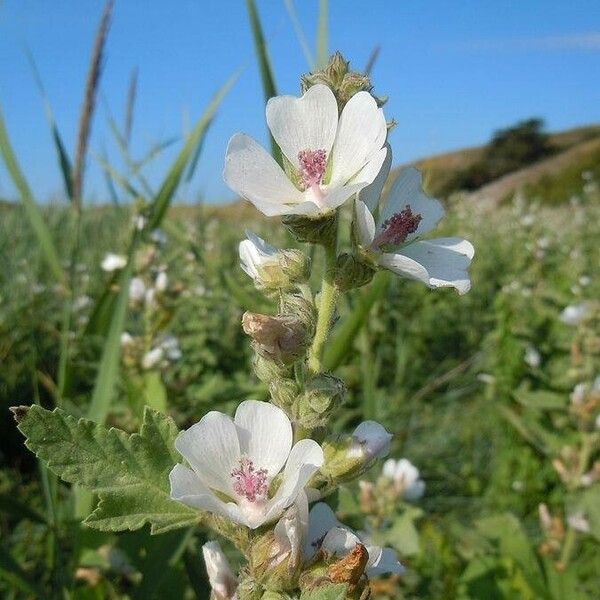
{"x": 158, "y": 236}
{"x": 126, "y": 339}
{"x": 574, "y": 313}
{"x": 152, "y": 358}
{"x": 113, "y": 262}
{"x": 81, "y": 302}
{"x": 170, "y": 346}
{"x": 139, "y": 222}
{"x": 150, "y": 298}
{"x": 584, "y": 281}
{"x": 597, "y": 423}
{"x": 578, "y": 394}
{"x": 579, "y": 522}
{"x": 220, "y": 576}
{"x": 527, "y": 220}
{"x": 405, "y": 477}
{"x": 255, "y": 255}
{"x": 326, "y": 533}
{"x": 532, "y": 357}
{"x": 162, "y": 281}
{"x": 329, "y": 158}
{"x": 370, "y": 441}
{"x": 137, "y": 289}
{"x": 544, "y": 516}
{"x": 233, "y": 463}
{"x": 393, "y": 240}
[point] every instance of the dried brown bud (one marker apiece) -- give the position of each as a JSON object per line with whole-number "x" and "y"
{"x": 351, "y": 567}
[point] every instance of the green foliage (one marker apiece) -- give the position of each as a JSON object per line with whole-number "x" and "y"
{"x": 129, "y": 473}
{"x": 326, "y": 592}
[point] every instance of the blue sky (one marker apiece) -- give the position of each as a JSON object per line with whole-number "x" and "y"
{"x": 454, "y": 71}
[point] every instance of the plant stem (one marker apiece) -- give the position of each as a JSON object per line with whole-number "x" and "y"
{"x": 327, "y": 302}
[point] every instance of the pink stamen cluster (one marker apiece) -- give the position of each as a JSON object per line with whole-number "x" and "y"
{"x": 397, "y": 228}
{"x": 312, "y": 167}
{"x": 250, "y": 483}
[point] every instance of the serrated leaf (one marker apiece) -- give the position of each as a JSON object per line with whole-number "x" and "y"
{"x": 129, "y": 473}
{"x": 326, "y": 592}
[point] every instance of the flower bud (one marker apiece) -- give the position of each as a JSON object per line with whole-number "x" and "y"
{"x": 284, "y": 392}
{"x": 322, "y": 395}
{"x": 350, "y": 272}
{"x": 343, "y": 82}
{"x": 266, "y": 370}
{"x": 313, "y": 230}
{"x": 270, "y": 268}
{"x": 222, "y": 580}
{"x": 282, "y": 339}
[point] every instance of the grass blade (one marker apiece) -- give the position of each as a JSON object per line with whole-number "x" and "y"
{"x": 131, "y": 94}
{"x": 32, "y": 210}
{"x": 341, "y": 342}
{"x": 169, "y": 186}
{"x": 89, "y": 103}
{"x": 264, "y": 65}
{"x": 322, "y": 34}
{"x": 291, "y": 9}
{"x": 372, "y": 59}
{"x": 64, "y": 162}
{"x": 108, "y": 369}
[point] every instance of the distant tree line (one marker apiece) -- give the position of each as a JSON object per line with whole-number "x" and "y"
{"x": 509, "y": 149}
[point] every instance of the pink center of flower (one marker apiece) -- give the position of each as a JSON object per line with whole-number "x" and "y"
{"x": 312, "y": 168}
{"x": 397, "y": 228}
{"x": 250, "y": 483}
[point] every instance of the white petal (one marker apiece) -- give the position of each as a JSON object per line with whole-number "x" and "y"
{"x": 212, "y": 448}
{"x": 337, "y": 196}
{"x": 187, "y": 488}
{"x": 414, "y": 491}
{"x": 387, "y": 563}
{"x": 320, "y": 520}
{"x": 220, "y": 576}
{"x": 306, "y": 123}
{"x": 305, "y": 458}
{"x": 255, "y": 251}
{"x": 373, "y": 439}
{"x": 365, "y": 224}
{"x": 405, "y": 266}
{"x": 446, "y": 261}
{"x": 361, "y": 134}
{"x": 371, "y": 194}
{"x": 253, "y": 173}
{"x": 406, "y": 472}
{"x": 265, "y": 434}
{"x": 371, "y": 169}
{"x": 407, "y": 191}
{"x": 389, "y": 468}
{"x": 339, "y": 541}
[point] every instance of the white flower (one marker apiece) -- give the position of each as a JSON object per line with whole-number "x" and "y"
{"x": 578, "y": 394}
{"x": 579, "y": 522}
{"x": 126, "y": 339}
{"x": 152, "y": 358}
{"x": 150, "y": 298}
{"x": 597, "y": 422}
{"x": 81, "y": 302}
{"x": 574, "y": 313}
{"x": 161, "y": 282}
{"x": 532, "y": 357}
{"x": 327, "y": 533}
{"x": 137, "y": 289}
{"x": 255, "y": 254}
{"x": 329, "y": 158}
{"x": 392, "y": 241}
{"x": 233, "y": 463}
{"x": 159, "y": 237}
{"x": 113, "y": 262}
{"x": 405, "y": 477}
{"x": 170, "y": 346}
{"x": 370, "y": 441}
{"x": 584, "y": 281}
{"x": 220, "y": 576}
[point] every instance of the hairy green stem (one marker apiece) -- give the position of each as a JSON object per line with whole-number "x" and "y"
{"x": 327, "y": 303}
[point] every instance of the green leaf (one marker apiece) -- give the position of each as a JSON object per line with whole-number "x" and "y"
{"x": 541, "y": 399}
{"x": 11, "y": 572}
{"x": 326, "y": 592}
{"x": 403, "y": 534}
{"x": 588, "y": 504}
{"x": 32, "y": 210}
{"x": 169, "y": 186}
{"x": 129, "y": 473}
{"x": 264, "y": 65}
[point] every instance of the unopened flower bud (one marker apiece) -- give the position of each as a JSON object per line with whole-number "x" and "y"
{"x": 282, "y": 339}
{"x": 317, "y": 230}
{"x": 270, "y": 268}
{"x": 266, "y": 370}
{"x": 323, "y": 394}
{"x": 338, "y": 77}
{"x": 351, "y": 272}
{"x": 284, "y": 392}
{"x": 222, "y": 580}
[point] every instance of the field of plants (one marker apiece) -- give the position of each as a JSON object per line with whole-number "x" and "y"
{"x": 138, "y": 316}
